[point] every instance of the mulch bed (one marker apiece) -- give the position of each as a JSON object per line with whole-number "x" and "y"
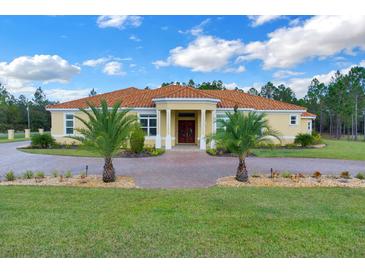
{"x": 323, "y": 181}
{"x": 89, "y": 181}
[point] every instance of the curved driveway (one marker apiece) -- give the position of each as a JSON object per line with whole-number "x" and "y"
{"x": 173, "y": 169}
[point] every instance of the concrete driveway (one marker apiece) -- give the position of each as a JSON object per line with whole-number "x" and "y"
{"x": 175, "y": 169}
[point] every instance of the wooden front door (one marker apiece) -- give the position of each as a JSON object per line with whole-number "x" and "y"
{"x": 186, "y": 131}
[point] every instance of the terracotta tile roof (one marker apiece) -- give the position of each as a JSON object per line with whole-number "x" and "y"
{"x": 308, "y": 114}
{"x": 133, "y": 97}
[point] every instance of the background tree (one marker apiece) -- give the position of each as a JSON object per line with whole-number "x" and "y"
{"x": 314, "y": 100}
{"x": 284, "y": 94}
{"x": 253, "y": 91}
{"x": 92, "y": 92}
{"x": 268, "y": 90}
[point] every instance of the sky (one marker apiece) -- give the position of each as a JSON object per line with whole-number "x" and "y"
{"x": 69, "y": 55}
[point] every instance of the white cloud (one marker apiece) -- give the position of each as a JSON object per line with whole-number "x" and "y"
{"x": 113, "y": 68}
{"x": 300, "y": 85}
{"x": 45, "y": 68}
{"x": 238, "y": 69}
{"x": 205, "y": 54}
{"x": 95, "y": 62}
{"x": 280, "y": 74}
{"x": 196, "y": 30}
{"x": 134, "y": 38}
{"x": 62, "y": 95}
{"x": 231, "y": 86}
{"x": 164, "y": 28}
{"x": 319, "y": 36}
{"x": 258, "y": 20}
{"x": 119, "y": 21}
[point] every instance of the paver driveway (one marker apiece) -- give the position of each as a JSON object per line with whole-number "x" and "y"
{"x": 173, "y": 169}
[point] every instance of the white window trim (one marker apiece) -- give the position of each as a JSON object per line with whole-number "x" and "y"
{"x": 296, "y": 120}
{"x": 65, "y": 120}
{"x": 148, "y": 136}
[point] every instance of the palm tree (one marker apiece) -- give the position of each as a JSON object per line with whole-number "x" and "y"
{"x": 239, "y": 133}
{"x": 105, "y": 131}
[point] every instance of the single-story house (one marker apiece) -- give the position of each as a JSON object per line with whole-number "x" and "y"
{"x": 176, "y": 114}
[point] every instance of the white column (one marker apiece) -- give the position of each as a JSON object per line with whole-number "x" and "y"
{"x": 158, "y": 133}
{"x": 27, "y": 133}
{"x": 214, "y": 127}
{"x": 168, "y": 129}
{"x": 11, "y": 134}
{"x": 202, "y": 130}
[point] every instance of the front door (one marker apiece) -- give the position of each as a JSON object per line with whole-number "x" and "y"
{"x": 186, "y": 131}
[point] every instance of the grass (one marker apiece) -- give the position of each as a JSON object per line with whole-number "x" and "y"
{"x": 62, "y": 151}
{"x": 335, "y": 149}
{"x": 214, "y": 222}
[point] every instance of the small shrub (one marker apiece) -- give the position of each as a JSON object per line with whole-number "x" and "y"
{"x": 304, "y": 139}
{"x": 42, "y": 140}
{"x": 10, "y": 176}
{"x": 212, "y": 151}
{"x": 39, "y": 175}
{"x": 68, "y": 174}
{"x": 360, "y": 176}
{"x": 137, "y": 140}
{"x": 28, "y": 174}
{"x": 345, "y": 175}
{"x": 317, "y": 138}
{"x": 286, "y": 174}
{"x": 55, "y": 173}
{"x": 317, "y": 174}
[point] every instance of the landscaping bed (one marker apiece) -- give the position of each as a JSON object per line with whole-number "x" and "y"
{"x": 74, "y": 150}
{"x": 78, "y": 181}
{"x": 295, "y": 180}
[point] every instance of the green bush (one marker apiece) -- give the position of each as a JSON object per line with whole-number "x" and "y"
{"x": 39, "y": 175}
{"x": 157, "y": 151}
{"x": 68, "y": 174}
{"x": 43, "y": 140}
{"x": 304, "y": 139}
{"x": 317, "y": 138}
{"x": 360, "y": 176}
{"x": 286, "y": 174}
{"x": 212, "y": 151}
{"x": 55, "y": 173}
{"x": 137, "y": 140}
{"x": 28, "y": 174}
{"x": 10, "y": 176}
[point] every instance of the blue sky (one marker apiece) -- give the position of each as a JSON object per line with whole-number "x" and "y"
{"x": 69, "y": 55}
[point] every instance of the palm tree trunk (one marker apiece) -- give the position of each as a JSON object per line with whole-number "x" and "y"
{"x": 108, "y": 172}
{"x": 242, "y": 174}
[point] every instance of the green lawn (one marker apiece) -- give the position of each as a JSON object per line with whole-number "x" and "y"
{"x": 62, "y": 151}
{"x": 335, "y": 149}
{"x": 246, "y": 222}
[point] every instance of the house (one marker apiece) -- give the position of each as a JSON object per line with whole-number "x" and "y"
{"x": 176, "y": 114}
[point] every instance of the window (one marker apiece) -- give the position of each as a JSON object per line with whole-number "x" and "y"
{"x": 148, "y": 124}
{"x": 221, "y": 117}
{"x": 69, "y": 124}
{"x": 293, "y": 119}
{"x": 310, "y": 125}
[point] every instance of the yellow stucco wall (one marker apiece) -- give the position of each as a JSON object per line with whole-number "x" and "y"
{"x": 278, "y": 121}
